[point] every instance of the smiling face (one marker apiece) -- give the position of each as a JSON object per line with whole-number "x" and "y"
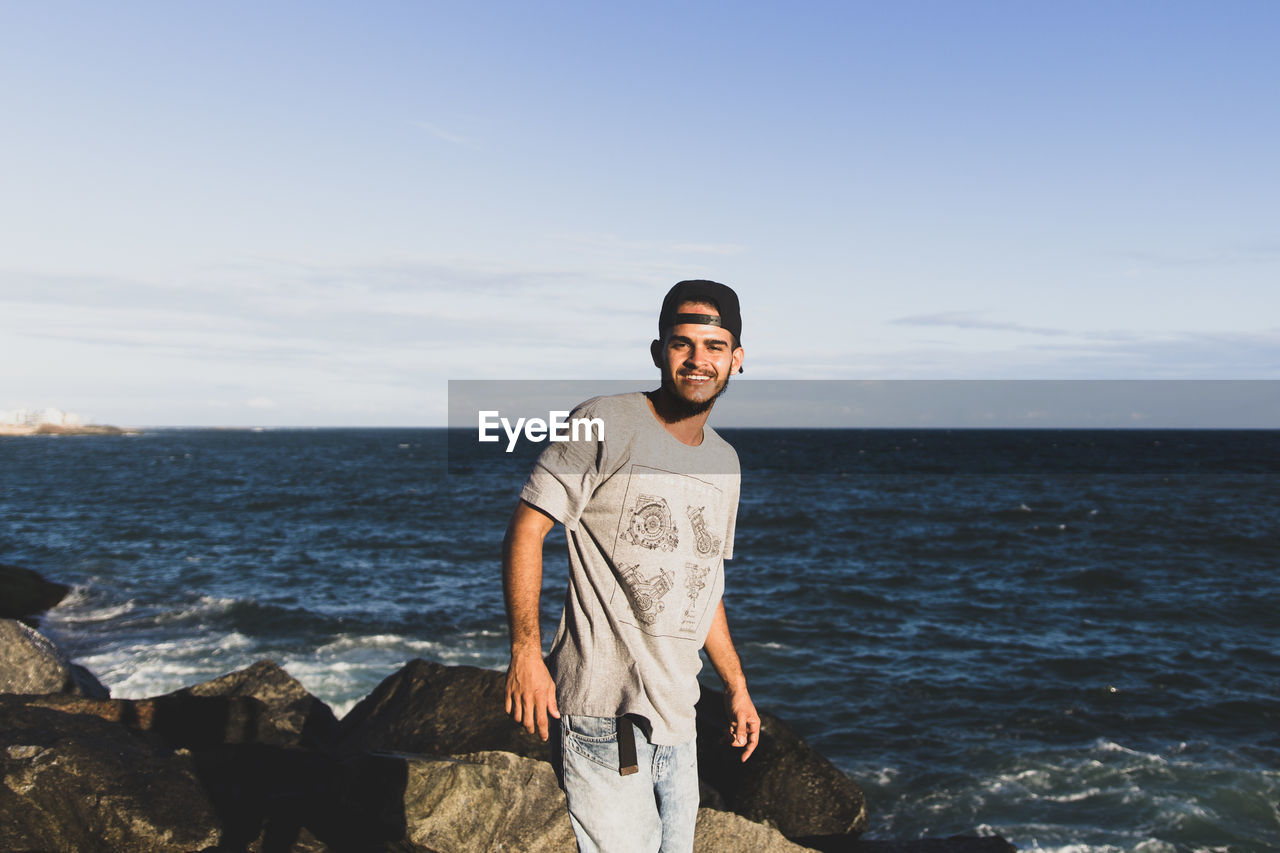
{"x": 696, "y": 360}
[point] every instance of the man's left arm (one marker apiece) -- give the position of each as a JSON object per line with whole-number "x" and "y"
{"x": 744, "y": 722}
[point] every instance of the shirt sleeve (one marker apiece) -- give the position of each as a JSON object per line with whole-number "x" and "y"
{"x": 567, "y": 472}
{"x": 731, "y": 524}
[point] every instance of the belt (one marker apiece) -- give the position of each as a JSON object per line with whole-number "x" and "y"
{"x": 627, "y": 763}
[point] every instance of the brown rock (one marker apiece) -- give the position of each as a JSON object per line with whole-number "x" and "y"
{"x": 954, "y": 844}
{"x": 785, "y": 783}
{"x": 24, "y": 594}
{"x": 433, "y": 709}
{"x": 30, "y": 663}
{"x": 494, "y": 801}
{"x": 291, "y": 715}
{"x": 192, "y": 722}
{"x": 72, "y": 782}
{"x": 724, "y": 831}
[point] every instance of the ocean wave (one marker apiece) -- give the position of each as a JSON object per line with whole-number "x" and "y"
{"x": 1108, "y": 746}
{"x": 346, "y": 643}
{"x": 77, "y": 613}
{"x": 204, "y": 606}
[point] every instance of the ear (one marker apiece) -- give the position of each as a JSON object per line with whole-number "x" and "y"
{"x": 655, "y": 351}
{"x": 738, "y": 355}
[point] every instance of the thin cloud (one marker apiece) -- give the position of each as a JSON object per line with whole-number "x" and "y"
{"x": 441, "y": 133}
{"x": 1243, "y": 254}
{"x": 969, "y": 320}
{"x": 613, "y": 242}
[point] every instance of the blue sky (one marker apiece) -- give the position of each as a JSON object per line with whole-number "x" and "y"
{"x": 318, "y": 213}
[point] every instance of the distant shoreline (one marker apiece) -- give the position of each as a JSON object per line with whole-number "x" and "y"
{"x": 54, "y": 429}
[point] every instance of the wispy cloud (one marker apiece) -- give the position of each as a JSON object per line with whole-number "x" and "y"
{"x": 971, "y": 320}
{"x": 613, "y": 242}
{"x": 1257, "y": 253}
{"x": 442, "y": 134}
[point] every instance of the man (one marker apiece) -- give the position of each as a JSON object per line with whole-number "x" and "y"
{"x": 649, "y": 514}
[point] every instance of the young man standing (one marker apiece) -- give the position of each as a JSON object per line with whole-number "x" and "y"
{"x": 649, "y": 513}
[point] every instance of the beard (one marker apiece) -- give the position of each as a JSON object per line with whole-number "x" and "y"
{"x": 686, "y": 408}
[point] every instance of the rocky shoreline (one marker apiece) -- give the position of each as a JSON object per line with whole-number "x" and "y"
{"x": 56, "y": 429}
{"x": 428, "y": 762}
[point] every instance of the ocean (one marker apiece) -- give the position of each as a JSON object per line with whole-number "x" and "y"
{"x": 1070, "y": 638}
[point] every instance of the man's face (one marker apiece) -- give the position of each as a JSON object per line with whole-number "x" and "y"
{"x": 697, "y": 360}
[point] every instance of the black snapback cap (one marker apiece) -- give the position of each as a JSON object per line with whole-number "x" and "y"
{"x": 701, "y": 290}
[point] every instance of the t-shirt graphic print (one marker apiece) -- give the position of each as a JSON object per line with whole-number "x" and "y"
{"x": 664, "y": 552}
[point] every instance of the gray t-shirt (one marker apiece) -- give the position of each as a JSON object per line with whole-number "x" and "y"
{"x": 649, "y": 522}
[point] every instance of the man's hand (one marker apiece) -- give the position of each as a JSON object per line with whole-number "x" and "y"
{"x": 531, "y": 694}
{"x": 744, "y": 722}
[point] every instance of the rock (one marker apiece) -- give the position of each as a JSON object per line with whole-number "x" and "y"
{"x": 277, "y": 798}
{"x": 292, "y": 716}
{"x": 724, "y": 831}
{"x": 433, "y": 709}
{"x": 492, "y": 801}
{"x": 785, "y": 782}
{"x": 72, "y": 783}
{"x": 30, "y": 663}
{"x": 85, "y": 683}
{"x": 189, "y": 722}
{"x": 484, "y": 801}
{"x": 954, "y": 844}
{"x": 263, "y": 795}
{"x": 24, "y": 594}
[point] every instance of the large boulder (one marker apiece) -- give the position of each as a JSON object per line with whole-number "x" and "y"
{"x": 70, "y": 782}
{"x": 480, "y": 802}
{"x": 187, "y": 722}
{"x": 24, "y": 594}
{"x": 433, "y": 709}
{"x": 263, "y": 795}
{"x": 30, "y": 663}
{"x": 719, "y": 832}
{"x": 492, "y": 801}
{"x": 291, "y": 715}
{"x": 785, "y": 783}
{"x": 953, "y": 844}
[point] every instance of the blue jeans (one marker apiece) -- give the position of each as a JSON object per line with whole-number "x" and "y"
{"x": 652, "y": 811}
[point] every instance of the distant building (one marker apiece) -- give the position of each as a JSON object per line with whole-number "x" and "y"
{"x": 40, "y": 417}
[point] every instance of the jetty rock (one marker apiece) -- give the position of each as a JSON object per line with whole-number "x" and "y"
{"x": 433, "y": 709}
{"x": 492, "y": 801}
{"x": 290, "y": 716}
{"x": 30, "y": 663}
{"x": 24, "y": 594}
{"x": 428, "y": 763}
{"x": 785, "y": 783}
{"x": 430, "y": 708}
{"x": 72, "y": 782}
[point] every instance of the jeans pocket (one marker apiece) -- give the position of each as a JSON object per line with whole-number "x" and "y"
{"x": 593, "y": 738}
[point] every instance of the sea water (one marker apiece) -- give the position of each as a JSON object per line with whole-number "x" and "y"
{"x": 1068, "y": 638}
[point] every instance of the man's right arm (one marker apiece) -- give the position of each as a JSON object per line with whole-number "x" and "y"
{"x": 531, "y": 694}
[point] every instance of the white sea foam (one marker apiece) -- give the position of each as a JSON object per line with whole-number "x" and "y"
{"x": 235, "y": 640}
{"x": 1073, "y": 797}
{"x": 345, "y": 643}
{"x": 1103, "y": 745}
{"x": 206, "y": 605}
{"x": 78, "y": 596}
{"x": 885, "y": 775}
{"x": 150, "y": 679}
{"x": 78, "y": 614}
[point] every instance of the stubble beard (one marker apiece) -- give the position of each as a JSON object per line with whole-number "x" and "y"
{"x": 685, "y": 408}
